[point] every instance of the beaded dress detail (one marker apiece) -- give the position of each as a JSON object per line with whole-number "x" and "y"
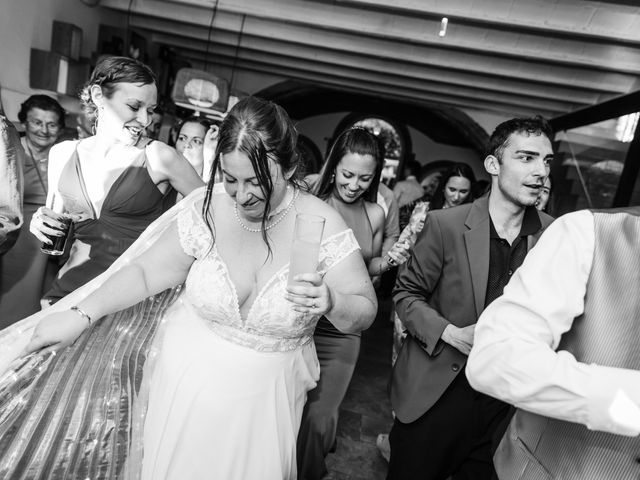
{"x": 271, "y": 324}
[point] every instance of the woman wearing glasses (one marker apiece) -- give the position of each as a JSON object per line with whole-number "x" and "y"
{"x": 23, "y": 267}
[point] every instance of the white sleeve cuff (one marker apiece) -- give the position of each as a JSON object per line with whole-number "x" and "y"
{"x": 612, "y": 408}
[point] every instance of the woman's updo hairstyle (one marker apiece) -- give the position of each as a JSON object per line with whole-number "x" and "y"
{"x": 108, "y": 73}
{"x": 261, "y": 130}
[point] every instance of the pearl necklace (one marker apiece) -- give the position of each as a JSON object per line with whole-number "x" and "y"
{"x": 270, "y": 226}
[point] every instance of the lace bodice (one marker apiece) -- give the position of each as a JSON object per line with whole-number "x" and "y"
{"x": 271, "y": 324}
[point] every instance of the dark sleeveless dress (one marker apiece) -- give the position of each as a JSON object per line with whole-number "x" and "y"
{"x": 337, "y": 354}
{"x": 131, "y": 204}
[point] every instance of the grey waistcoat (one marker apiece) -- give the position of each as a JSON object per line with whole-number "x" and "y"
{"x": 608, "y": 334}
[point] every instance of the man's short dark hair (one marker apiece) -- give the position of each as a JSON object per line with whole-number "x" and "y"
{"x": 531, "y": 126}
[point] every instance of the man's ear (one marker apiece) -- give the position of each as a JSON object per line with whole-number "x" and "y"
{"x": 492, "y": 165}
{"x": 96, "y": 95}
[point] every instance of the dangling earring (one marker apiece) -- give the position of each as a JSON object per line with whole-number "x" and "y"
{"x": 95, "y": 123}
{"x": 333, "y": 178}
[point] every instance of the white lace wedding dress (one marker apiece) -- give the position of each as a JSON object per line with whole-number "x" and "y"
{"x": 225, "y": 393}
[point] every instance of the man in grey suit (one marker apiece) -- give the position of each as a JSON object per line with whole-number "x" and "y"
{"x": 562, "y": 345}
{"x": 461, "y": 262}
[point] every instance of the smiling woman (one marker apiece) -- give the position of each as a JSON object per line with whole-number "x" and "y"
{"x": 349, "y": 183}
{"x": 227, "y": 366}
{"x": 114, "y": 183}
{"x": 191, "y": 140}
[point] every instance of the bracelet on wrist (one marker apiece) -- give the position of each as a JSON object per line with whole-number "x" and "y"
{"x": 82, "y": 313}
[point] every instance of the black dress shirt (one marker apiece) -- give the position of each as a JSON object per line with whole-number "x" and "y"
{"x": 504, "y": 259}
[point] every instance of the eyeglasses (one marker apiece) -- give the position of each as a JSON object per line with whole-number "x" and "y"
{"x": 38, "y": 124}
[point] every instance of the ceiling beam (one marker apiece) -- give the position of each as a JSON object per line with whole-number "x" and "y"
{"x": 581, "y": 19}
{"x": 416, "y": 31}
{"x": 261, "y": 51}
{"x": 467, "y": 62}
{"x": 368, "y": 65}
{"x": 347, "y": 83}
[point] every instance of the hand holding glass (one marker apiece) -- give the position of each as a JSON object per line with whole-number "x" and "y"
{"x": 305, "y": 249}
{"x": 58, "y": 243}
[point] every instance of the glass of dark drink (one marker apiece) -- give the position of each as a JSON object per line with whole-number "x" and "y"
{"x": 58, "y": 244}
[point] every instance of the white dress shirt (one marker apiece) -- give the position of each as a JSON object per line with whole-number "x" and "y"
{"x": 514, "y": 355}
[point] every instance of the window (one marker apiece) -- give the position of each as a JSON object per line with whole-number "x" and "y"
{"x": 590, "y": 163}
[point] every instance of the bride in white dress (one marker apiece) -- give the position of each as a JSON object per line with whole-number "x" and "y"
{"x": 233, "y": 359}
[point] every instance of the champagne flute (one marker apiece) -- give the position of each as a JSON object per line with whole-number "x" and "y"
{"x": 305, "y": 249}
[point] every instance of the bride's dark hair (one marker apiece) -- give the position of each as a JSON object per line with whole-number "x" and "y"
{"x": 261, "y": 130}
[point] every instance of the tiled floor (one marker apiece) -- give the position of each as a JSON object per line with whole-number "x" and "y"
{"x": 365, "y": 411}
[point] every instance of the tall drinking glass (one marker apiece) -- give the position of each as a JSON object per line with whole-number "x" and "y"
{"x": 306, "y": 245}
{"x": 58, "y": 244}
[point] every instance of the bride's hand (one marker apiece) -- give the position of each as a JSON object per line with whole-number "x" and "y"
{"x": 57, "y": 331}
{"x": 313, "y": 296}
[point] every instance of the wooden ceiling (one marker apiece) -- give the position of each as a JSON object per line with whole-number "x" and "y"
{"x": 512, "y": 57}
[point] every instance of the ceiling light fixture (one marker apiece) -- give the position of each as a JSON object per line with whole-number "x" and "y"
{"x": 443, "y": 27}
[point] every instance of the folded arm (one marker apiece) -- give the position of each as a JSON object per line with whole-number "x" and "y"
{"x": 168, "y": 165}
{"x": 514, "y": 356}
{"x": 415, "y": 284}
{"x": 354, "y": 303}
{"x": 344, "y": 294}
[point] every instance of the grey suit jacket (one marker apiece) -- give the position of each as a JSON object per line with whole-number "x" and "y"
{"x": 444, "y": 281}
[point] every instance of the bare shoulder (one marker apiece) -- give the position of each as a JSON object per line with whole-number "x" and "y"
{"x": 63, "y": 150}
{"x": 376, "y": 214}
{"x": 160, "y": 153}
{"x": 310, "y": 204}
{"x": 60, "y": 154}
